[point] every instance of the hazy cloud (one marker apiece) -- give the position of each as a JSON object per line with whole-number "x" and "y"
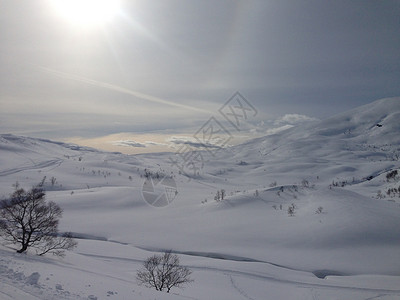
{"x": 293, "y": 119}
{"x": 129, "y": 144}
{"x": 190, "y": 141}
{"x": 278, "y": 129}
{"x": 151, "y": 143}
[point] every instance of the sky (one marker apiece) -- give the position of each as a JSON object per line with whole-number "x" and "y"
{"x": 142, "y": 75}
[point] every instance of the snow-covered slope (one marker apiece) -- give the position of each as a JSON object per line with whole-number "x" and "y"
{"x": 243, "y": 247}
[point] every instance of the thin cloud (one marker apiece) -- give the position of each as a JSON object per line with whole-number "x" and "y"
{"x": 120, "y": 89}
{"x": 151, "y": 143}
{"x": 294, "y": 119}
{"x": 191, "y": 142}
{"x": 129, "y": 143}
{"x": 135, "y": 144}
{"x": 272, "y": 131}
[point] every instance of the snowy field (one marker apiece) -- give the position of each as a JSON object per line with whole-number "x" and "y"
{"x": 342, "y": 241}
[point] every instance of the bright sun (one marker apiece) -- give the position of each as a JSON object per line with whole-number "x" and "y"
{"x": 87, "y": 13}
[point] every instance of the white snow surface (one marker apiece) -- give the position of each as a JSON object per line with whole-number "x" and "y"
{"x": 243, "y": 247}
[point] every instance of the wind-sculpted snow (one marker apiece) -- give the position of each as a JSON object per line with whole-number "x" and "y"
{"x": 308, "y": 213}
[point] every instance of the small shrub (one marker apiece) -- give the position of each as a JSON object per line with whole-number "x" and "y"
{"x": 379, "y": 195}
{"x": 305, "y": 183}
{"x": 163, "y": 272}
{"x": 291, "y": 210}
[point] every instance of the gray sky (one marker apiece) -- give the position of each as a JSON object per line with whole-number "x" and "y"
{"x": 167, "y": 66}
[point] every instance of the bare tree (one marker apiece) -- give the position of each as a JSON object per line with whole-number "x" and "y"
{"x": 163, "y": 272}
{"x": 223, "y": 193}
{"x": 27, "y": 220}
{"x": 220, "y": 195}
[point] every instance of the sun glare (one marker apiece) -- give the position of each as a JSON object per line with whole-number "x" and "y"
{"x": 87, "y": 13}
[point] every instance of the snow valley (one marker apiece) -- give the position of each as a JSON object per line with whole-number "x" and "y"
{"x": 311, "y": 212}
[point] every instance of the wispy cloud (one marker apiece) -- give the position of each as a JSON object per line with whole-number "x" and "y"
{"x": 129, "y": 143}
{"x": 190, "y": 141}
{"x": 135, "y": 144}
{"x": 120, "y": 89}
{"x": 152, "y": 143}
{"x": 275, "y": 130}
{"x": 294, "y": 119}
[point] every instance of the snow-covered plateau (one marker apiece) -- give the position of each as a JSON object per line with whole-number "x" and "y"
{"x": 340, "y": 241}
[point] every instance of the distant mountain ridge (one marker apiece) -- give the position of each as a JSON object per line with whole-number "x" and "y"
{"x": 377, "y": 122}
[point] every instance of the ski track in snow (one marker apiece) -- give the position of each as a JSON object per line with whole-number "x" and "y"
{"x": 45, "y": 164}
{"x": 239, "y": 290}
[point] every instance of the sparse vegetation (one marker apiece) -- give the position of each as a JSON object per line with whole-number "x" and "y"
{"x": 155, "y": 174}
{"x": 342, "y": 183}
{"x": 379, "y": 195}
{"x": 391, "y": 175}
{"x": 223, "y": 193}
{"x": 220, "y": 195}
{"x": 393, "y": 192}
{"x": 273, "y": 184}
{"x": 291, "y": 210}
{"x": 395, "y": 156}
{"x": 163, "y": 272}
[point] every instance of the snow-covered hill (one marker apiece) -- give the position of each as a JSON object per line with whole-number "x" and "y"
{"x": 341, "y": 243}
